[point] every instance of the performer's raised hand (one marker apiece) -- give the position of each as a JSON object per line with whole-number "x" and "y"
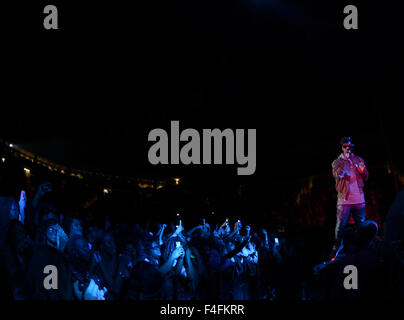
{"x": 361, "y": 167}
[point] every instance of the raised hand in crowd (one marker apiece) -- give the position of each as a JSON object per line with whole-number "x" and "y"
{"x": 62, "y": 238}
{"x": 43, "y": 189}
{"x": 22, "y": 203}
{"x": 178, "y": 231}
{"x": 248, "y": 229}
{"x": 160, "y": 233}
{"x": 266, "y": 241}
{"x": 177, "y": 254}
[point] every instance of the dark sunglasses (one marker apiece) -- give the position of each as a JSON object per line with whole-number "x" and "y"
{"x": 346, "y": 146}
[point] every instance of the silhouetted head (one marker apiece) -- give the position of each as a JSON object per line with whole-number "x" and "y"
{"x": 48, "y": 232}
{"x": 79, "y": 254}
{"x": 108, "y": 244}
{"x": 72, "y": 226}
{"x": 349, "y": 238}
{"x": 47, "y": 211}
{"x": 367, "y": 232}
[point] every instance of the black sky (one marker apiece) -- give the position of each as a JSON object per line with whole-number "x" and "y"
{"x": 88, "y": 94}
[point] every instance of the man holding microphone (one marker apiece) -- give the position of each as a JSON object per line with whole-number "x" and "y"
{"x": 350, "y": 173}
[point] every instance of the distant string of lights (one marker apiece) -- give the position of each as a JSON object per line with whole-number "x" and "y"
{"x": 83, "y": 174}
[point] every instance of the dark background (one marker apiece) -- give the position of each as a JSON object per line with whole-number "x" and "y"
{"x": 87, "y": 95}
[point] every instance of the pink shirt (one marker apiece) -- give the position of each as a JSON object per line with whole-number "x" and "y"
{"x": 355, "y": 196}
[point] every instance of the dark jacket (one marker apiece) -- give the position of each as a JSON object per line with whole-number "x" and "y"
{"x": 34, "y": 279}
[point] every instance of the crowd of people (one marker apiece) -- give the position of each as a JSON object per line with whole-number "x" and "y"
{"x": 175, "y": 262}
{"x": 123, "y": 261}
{"x": 176, "y": 259}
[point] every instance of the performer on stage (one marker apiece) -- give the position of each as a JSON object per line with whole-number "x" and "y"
{"x": 349, "y": 172}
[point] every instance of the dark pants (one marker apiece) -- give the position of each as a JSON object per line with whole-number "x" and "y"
{"x": 343, "y": 212}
